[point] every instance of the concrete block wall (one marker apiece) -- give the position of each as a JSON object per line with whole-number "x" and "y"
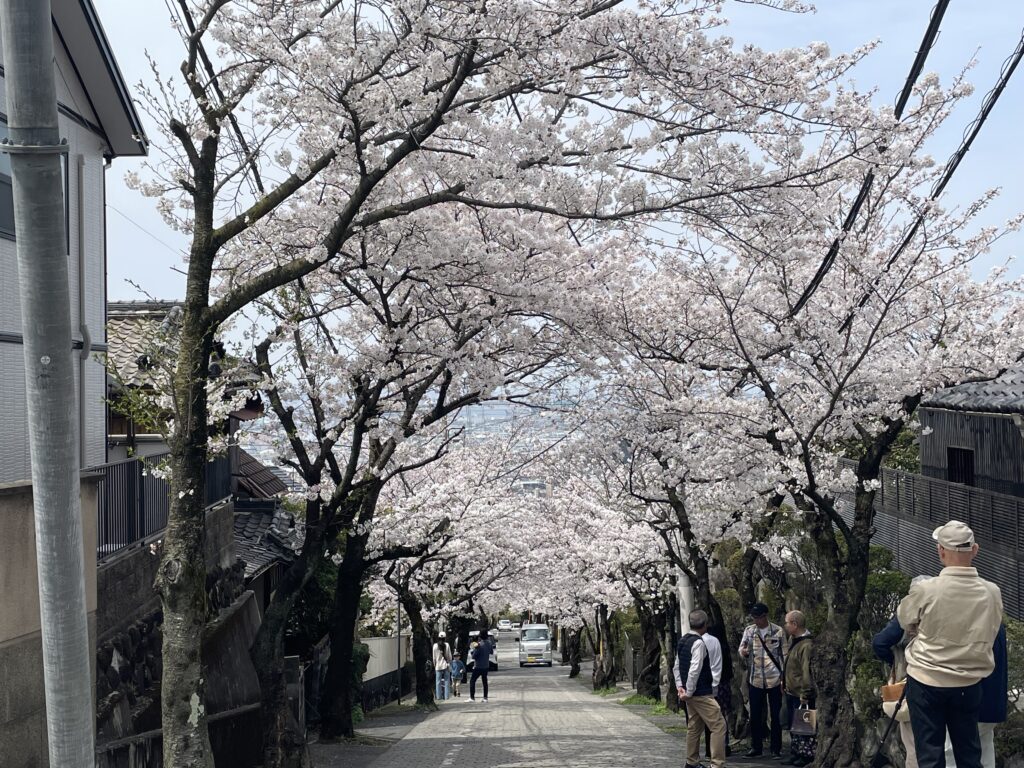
{"x": 22, "y": 698}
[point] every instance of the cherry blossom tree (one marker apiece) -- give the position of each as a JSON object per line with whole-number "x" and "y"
{"x": 298, "y": 127}
{"x": 787, "y": 392}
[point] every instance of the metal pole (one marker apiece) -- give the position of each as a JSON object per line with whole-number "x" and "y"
{"x": 398, "y": 631}
{"x": 35, "y": 148}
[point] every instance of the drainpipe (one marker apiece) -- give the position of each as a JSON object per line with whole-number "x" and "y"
{"x": 83, "y": 322}
{"x": 35, "y": 147}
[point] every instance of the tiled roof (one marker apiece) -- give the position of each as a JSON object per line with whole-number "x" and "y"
{"x": 1003, "y": 394}
{"x": 258, "y": 479}
{"x": 134, "y": 331}
{"x": 265, "y": 534}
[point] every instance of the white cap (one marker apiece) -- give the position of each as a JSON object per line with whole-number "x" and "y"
{"x": 441, "y": 634}
{"x": 954, "y": 535}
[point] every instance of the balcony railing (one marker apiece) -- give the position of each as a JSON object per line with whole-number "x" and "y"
{"x": 134, "y": 503}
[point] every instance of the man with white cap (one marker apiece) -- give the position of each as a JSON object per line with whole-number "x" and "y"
{"x": 957, "y": 617}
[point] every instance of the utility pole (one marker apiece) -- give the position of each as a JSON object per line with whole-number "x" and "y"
{"x": 35, "y": 148}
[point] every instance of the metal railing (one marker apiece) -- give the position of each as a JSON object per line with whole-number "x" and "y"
{"x": 134, "y": 502}
{"x": 994, "y": 517}
{"x": 909, "y": 506}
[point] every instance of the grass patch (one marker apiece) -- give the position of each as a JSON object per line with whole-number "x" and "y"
{"x": 638, "y": 699}
{"x": 660, "y": 709}
{"x": 609, "y": 691}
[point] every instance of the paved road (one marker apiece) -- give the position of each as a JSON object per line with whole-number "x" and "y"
{"x": 535, "y": 718}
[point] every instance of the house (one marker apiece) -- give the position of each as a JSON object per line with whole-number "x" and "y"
{"x": 972, "y": 469}
{"x": 97, "y": 118}
{"x": 973, "y": 434}
{"x": 99, "y": 122}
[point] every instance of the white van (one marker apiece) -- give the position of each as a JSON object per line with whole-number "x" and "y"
{"x": 534, "y": 644}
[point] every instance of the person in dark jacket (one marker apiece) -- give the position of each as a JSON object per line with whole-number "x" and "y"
{"x": 888, "y": 646}
{"x": 799, "y": 685}
{"x": 481, "y": 655}
{"x": 994, "y": 695}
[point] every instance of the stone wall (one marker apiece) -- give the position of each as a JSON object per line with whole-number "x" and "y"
{"x": 128, "y": 722}
{"x": 130, "y": 660}
{"x": 125, "y": 581}
{"x": 22, "y": 698}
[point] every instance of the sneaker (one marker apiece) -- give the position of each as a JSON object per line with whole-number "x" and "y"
{"x": 753, "y": 753}
{"x": 775, "y": 756}
{"x": 485, "y": 699}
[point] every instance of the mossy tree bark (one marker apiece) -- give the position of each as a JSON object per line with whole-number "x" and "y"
{"x": 605, "y": 669}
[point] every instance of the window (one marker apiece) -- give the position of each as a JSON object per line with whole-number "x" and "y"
{"x": 535, "y": 634}
{"x": 7, "y": 194}
{"x": 960, "y": 465}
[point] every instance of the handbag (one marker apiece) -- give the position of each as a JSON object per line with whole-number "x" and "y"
{"x": 879, "y": 759}
{"x": 804, "y": 721}
{"x": 892, "y": 694}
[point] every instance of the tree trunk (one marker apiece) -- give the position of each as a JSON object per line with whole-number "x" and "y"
{"x": 282, "y": 748}
{"x": 181, "y": 579}
{"x": 573, "y": 654}
{"x": 422, "y": 651}
{"x": 648, "y": 679}
{"x": 339, "y": 682}
{"x": 840, "y": 733}
{"x": 669, "y": 639}
{"x": 461, "y": 626}
{"x": 604, "y": 659}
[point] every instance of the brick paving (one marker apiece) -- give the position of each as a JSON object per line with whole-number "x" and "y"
{"x": 535, "y": 718}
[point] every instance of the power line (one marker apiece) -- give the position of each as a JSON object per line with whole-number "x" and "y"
{"x": 927, "y": 42}
{"x": 970, "y": 134}
{"x": 176, "y": 251}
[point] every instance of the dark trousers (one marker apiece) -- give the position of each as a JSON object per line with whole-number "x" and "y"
{"x": 765, "y": 702}
{"x": 472, "y": 682}
{"x": 933, "y": 711}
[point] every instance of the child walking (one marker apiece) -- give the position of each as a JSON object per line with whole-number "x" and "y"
{"x": 458, "y": 670}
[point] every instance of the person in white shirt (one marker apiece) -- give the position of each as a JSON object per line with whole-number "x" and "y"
{"x": 696, "y": 692}
{"x": 714, "y": 647}
{"x": 442, "y": 670}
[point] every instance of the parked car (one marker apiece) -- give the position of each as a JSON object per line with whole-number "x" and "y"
{"x": 493, "y": 639}
{"x": 535, "y": 645}
{"x": 515, "y": 625}
{"x": 504, "y": 625}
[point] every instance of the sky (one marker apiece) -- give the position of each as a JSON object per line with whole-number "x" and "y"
{"x": 143, "y": 250}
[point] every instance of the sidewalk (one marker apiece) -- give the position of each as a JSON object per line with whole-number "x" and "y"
{"x": 536, "y": 718}
{"x": 673, "y": 723}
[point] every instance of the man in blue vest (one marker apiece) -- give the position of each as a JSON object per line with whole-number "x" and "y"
{"x": 697, "y": 692}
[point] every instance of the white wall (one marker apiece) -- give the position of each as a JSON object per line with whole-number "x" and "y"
{"x": 384, "y": 655}
{"x": 86, "y": 226}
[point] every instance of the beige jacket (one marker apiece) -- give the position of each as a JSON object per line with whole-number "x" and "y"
{"x": 958, "y": 616}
